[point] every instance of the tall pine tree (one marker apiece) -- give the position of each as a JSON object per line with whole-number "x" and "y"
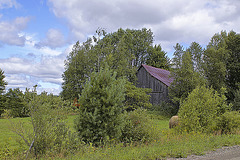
{"x": 3, "y": 84}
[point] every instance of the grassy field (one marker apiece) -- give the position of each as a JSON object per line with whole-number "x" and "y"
{"x": 169, "y": 144}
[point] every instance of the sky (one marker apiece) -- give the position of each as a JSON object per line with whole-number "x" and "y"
{"x": 37, "y": 35}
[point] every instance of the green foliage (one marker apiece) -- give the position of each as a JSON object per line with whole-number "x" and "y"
{"x": 16, "y": 103}
{"x": 101, "y": 106}
{"x": 167, "y": 144}
{"x": 186, "y": 73}
{"x": 124, "y": 51}
{"x": 199, "y": 112}
{"x": 215, "y": 67}
{"x": 138, "y": 127}
{"x": 158, "y": 58}
{"x": 229, "y": 123}
{"x": 233, "y": 65}
{"x": 3, "y": 84}
{"x": 221, "y": 62}
{"x": 136, "y": 97}
{"x": 163, "y": 109}
{"x": 78, "y": 66}
{"x": 49, "y": 130}
{"x": 236, "y": 100}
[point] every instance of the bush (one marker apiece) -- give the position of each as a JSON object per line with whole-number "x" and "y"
{"x": 236, "y": 100}
{"x": 136, "y": 97}
{"x": 201, "y": 109}
{"x": 164, "y": 109}
{"x": 49, "y": 130}
{"x": 16, "y": 104}
{"x": 138, "y": 127}
{"x": 229, "y": 122}
{"x": 101, "y": 105}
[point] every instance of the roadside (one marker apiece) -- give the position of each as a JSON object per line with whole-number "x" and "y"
{"x": 224, "y": 153}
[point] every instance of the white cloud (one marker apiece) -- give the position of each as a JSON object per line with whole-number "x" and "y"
{"x": 8, "y": 4}
{"x": 171, "y": 21}
{"x": 26, "y": 72}
{"x": 32, "y": 42}
{"x": 54, "y": 39}
{"x": 49, "y": 69}
{"x": 10, "y": 31}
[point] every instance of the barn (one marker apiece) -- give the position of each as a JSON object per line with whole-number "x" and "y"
{"x": 157, "y": 79}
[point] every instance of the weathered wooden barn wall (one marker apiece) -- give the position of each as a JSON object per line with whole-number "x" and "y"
{"x": 159, "y": 90}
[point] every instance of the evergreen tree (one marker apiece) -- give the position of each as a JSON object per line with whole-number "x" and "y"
{"x": 101, "y": 103}
{"x": 158, "y": 58}
{"x": 3, "y": 84}
{"x": 16, "y": 104}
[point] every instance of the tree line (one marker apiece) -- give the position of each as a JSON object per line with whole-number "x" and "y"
{"x": 216, "y": 66}
{"x": 100, "y": 83}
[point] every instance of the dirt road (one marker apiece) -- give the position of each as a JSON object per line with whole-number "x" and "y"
{"x": 225, "y": 153}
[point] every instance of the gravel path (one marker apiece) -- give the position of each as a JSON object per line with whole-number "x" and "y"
{"x": 225, "y": 153}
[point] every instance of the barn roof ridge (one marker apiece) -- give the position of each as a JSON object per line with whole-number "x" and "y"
{"x": 160, "y": 74}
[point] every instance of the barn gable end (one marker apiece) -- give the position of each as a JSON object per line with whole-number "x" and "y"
{"x": 157, "y": 79}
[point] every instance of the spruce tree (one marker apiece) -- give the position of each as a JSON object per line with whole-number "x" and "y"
{"x": 3, "y": 84}
{"x": 101, "y": 103}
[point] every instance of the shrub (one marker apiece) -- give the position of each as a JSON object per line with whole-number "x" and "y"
{"x": 16, "y": 104}
{"x": 229, "y": 122}
{"x": 200, "y": 110}
{"x": 164, "y": 109}
{"x": 236, "y": 100}
{"x": 138, "y": 127}
{"x": 136, "y": 97}
{"x": 49, "y": 130}
{"x": 101, "y": 105}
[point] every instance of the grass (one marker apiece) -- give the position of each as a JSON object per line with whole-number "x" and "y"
{"x": 168, "y": 144}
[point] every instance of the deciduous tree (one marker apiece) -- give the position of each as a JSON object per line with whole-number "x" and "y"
{"x": 186, "y": 76}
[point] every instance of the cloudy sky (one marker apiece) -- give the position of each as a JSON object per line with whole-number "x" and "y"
{"x": 37, "y": 35}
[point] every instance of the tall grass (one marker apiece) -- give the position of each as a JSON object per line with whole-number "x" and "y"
{"x": 168, "y": 143}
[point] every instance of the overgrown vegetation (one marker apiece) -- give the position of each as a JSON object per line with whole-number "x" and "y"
{"x": 202, "y": 109}
{"x": 114, "y": 117}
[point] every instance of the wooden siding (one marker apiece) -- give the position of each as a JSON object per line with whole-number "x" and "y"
{"x": 159, "y": 90}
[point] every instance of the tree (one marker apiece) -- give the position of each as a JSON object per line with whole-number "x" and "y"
{"x": 101, "y": 102}
{"x": 78, "y": 66}
{"x": 196, "y": 52}
{"x": 3, "y": 84}
{"x": 16, "y": 104}
{"x": 136, "y": 98}
{"x": 200, "y": 111}
{"x": 233, "y": 65}
{"x": 49, "y": 132}
{"x": 186, "y": 76}
{"x": 158, "y": 58}
{"x": 215, "y": 57}
{"x": 124, "y": 51}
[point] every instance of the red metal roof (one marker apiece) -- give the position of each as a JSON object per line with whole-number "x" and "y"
{"x": 160, "y": 74}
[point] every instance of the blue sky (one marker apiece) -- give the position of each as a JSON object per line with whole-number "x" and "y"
{"x": 37, "y": 35}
